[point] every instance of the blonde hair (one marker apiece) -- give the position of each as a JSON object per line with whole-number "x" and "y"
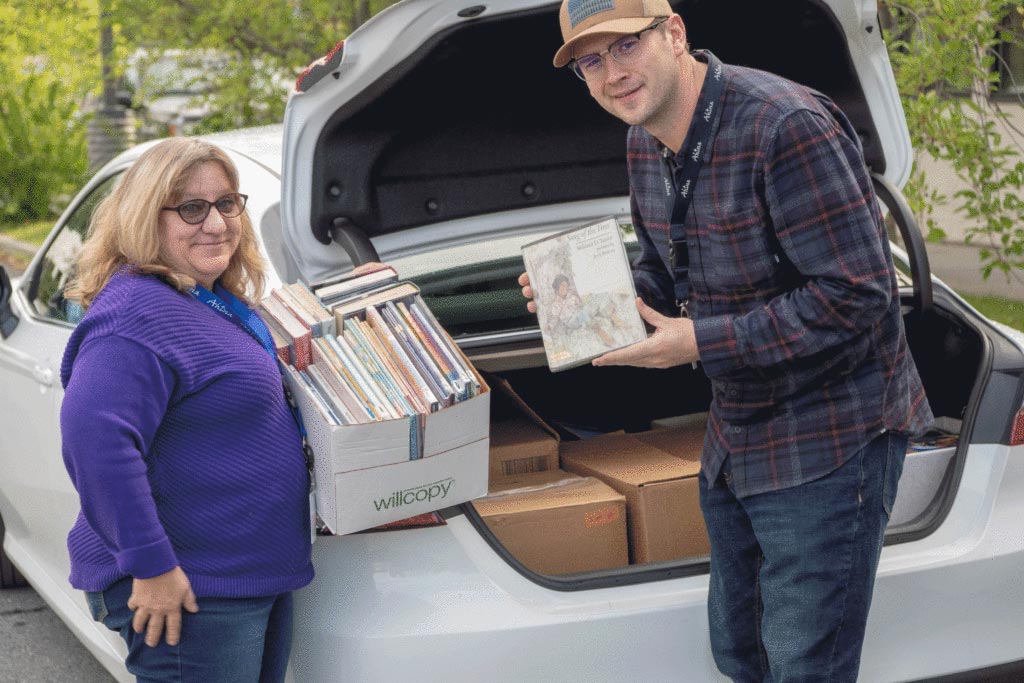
{"x": 124, "y": 230}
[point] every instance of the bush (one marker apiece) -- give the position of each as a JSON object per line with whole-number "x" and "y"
{"x": 43, "y": 155}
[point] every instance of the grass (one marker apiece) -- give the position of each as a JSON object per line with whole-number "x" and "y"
{"x": 33, "y": 232}
{"x": 1006, "y": 311}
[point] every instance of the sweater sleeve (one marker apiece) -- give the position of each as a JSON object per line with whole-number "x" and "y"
{"x": 115, "y": 400}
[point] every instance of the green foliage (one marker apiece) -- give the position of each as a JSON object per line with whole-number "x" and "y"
{"x": 42, "y": 147}
{"x": 263, "y": 46}
{"x": 46, "y": 71}
{"x": 33, "y": 232}
{"x": 1006, "y": 311}
{"x": 945, "y": 54}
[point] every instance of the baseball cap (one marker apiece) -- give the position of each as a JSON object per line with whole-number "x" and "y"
{"x": 581, "y": 18}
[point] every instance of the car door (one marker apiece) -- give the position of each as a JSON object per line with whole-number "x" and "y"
{"x": 37, "y": 501}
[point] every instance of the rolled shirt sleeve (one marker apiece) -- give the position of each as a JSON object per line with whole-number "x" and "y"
{"x": 115, "y": 400}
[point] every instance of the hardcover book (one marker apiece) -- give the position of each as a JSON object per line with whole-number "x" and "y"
{"x": 298, "y": 336}
{"x": 583, "y": 288}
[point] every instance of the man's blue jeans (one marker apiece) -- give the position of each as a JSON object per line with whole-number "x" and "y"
{"x": 792, "y": 571}
{"x": 229, "y": 640}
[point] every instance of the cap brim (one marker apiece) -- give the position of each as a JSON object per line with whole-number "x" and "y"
{"x": 621, "y": 27}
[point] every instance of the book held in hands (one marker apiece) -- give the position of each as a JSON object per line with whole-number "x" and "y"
{"x": 583, "y": 288}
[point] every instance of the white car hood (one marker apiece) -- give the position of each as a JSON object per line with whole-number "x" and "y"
{"x": 358, "y": 144}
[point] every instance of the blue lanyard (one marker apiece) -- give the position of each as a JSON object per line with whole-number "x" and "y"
{"x": 231, "y": 307}
{"x": 679, "y": 188}
{"x": 228, "y": 306}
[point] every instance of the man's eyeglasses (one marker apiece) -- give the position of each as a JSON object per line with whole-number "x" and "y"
{"x": 624, "y": 51}
{"x": 195, "y": 211}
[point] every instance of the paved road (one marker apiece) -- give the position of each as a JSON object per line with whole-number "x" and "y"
{"x": 36, "y": 647}
{"x": 958, "y": 266}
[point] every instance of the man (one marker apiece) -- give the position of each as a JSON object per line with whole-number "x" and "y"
{"x": 756, "y": 214}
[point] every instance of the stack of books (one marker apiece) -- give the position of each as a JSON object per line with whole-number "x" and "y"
{"x": 367, "y": 348}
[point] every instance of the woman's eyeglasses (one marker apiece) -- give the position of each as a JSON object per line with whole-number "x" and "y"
{"x": 195, "y": 211}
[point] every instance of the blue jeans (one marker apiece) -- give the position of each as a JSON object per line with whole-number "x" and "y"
{"x": 792, "y": 571}
{"x": 229, "y": 640}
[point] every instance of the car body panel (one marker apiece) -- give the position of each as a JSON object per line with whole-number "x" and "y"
{"x": 442, "y": 603}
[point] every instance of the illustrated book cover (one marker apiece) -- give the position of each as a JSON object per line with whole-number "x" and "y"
{"x": 583, "y": 288}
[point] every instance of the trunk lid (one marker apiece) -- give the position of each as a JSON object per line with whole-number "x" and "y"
{"x": 437, "y": 122}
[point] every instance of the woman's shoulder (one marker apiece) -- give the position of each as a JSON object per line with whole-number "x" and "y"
{"x": 132, "y": 304}
{"x": 137, "y": 307}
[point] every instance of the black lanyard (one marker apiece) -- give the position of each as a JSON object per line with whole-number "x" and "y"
{"x": 680, "y": 181}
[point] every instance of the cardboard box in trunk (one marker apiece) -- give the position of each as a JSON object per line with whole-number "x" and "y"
{"x": 657, "y": 473}
{"x": 521, "y": 442}
{"x": 558, "y": 523}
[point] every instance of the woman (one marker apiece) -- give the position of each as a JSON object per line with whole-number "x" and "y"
{"x": 187, "y": 460}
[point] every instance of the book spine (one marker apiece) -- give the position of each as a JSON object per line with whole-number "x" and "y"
{"x": 368, "y": 355}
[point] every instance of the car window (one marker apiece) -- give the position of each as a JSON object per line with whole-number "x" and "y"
{"x": 57, "y": 266}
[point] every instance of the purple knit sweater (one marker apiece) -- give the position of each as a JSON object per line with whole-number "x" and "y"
{"x": 179, "y": 441}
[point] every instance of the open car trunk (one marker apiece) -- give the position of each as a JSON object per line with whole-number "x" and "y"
{"x": 950, "y": 352}
{"x": 470, "y": 137}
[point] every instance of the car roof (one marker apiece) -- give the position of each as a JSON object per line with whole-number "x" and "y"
{"x": 262, "y": 144}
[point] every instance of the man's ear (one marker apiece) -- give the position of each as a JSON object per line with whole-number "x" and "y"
{"x": 677, "y": 34}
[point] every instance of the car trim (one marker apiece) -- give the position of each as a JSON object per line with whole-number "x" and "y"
{"x": 1001, "y": 673}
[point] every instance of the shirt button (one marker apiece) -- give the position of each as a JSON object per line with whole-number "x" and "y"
{"x": 733, "y": 392}
{"x": 737, "y": 430}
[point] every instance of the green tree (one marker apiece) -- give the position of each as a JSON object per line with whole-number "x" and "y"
{"x": 260, "y": 46}
{"x": 47, "y": 68}
{"x": 945, "y": 54}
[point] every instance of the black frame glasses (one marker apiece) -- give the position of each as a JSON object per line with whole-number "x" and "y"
{"x": 614, "y": 51}
{"x": 195, "y": 211}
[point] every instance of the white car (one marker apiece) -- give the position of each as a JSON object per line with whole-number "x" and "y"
{"x": 440, "y": 139}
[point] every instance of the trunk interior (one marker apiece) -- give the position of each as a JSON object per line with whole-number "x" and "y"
{"x": 585, "y": 402}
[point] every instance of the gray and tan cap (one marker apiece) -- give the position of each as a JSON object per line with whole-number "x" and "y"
{"x": 582, "y": 18}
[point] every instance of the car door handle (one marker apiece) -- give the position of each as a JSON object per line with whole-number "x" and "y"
{"x": 43, "y": 375}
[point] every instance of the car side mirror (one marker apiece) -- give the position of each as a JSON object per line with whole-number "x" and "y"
{"x": 8, "y": 321}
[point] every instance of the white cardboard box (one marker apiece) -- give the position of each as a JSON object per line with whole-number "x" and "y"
{"x": 364, "y": 473}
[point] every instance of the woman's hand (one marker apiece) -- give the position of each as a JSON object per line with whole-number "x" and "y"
{"x": 157, "y": 604}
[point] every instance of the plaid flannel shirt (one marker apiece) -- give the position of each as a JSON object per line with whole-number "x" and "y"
{"x": 792, "y": 287}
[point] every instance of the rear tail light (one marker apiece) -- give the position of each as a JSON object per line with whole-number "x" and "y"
{"x": 1017, "y": 433}
{"x": 320, "y": 68}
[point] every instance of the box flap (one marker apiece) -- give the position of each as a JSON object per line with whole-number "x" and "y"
{"x": 626, "y": 458}
{"x": 501, "y": 386}
{"x": 548, "y": 490}
{"x": 685, "y": 443}
{"x": 531, "y": 480}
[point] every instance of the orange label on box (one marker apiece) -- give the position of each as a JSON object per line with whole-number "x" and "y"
{"x": 600, "y": 517}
